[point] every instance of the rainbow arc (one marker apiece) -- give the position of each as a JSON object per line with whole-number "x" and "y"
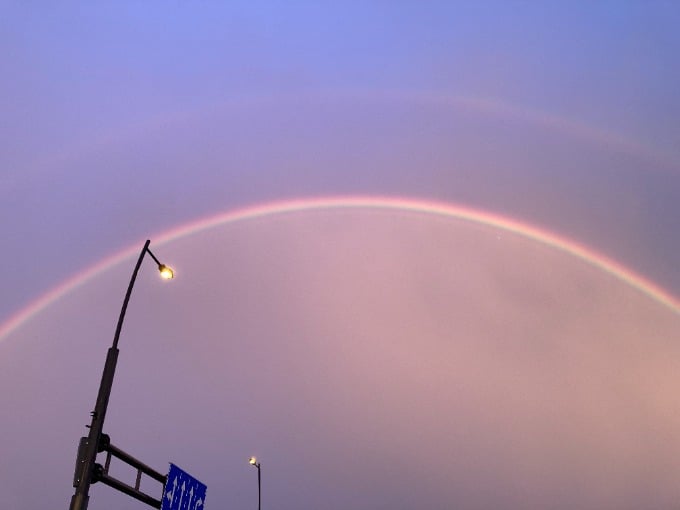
{"x": 555, "y": 241}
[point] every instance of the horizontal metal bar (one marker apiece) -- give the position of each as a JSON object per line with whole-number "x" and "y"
{"x": 126, "y": 489}
{"x": 129, "y": 459}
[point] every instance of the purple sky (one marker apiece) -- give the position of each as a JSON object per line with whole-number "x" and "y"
{"x": 399, "y": 360}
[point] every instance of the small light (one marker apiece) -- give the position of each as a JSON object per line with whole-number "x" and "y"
{"x": 166, "y": 271}
{"x": 252, "y": 461}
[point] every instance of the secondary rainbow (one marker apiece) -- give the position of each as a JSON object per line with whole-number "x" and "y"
{"x": 353, "y": 202}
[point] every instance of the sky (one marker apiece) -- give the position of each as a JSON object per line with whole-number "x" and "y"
{"x": 372, "y": 357}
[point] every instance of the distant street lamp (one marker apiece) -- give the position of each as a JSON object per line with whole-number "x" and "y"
{"x": 253, "y": 462}
{"x": 93, "y": 444}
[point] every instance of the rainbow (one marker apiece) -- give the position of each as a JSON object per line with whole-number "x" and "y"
{"x": 490, "y": 107}
{"x": 581, "y": 252}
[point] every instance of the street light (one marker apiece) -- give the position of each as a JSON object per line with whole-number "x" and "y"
{"x": 93, "y": 444}
{"x": 253, "y": 462}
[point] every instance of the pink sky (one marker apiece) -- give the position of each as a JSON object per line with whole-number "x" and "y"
{"x": 372, "y": 359}
{"x": 368, "y": 358}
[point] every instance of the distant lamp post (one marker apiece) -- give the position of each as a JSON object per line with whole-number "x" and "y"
{"x": 87, "y": 471}
{"x": 253, "y": 462}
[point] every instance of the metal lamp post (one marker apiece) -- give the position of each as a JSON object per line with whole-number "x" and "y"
{"x": 254, "y": 462}
{"x": 93, "y": 443}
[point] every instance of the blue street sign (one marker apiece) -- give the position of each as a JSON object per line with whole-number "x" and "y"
{"x": 182, "y": 491}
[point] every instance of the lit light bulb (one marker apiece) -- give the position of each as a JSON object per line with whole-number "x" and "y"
{"x": 166, "y": 271}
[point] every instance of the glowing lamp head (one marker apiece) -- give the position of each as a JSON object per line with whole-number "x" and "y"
{"x": 252, "y": 461}
{"x": 166, "y": 271}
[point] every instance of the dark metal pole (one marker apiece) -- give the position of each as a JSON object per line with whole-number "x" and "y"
{"x": 259, "y": 488}
{"x": 80, "y": 499}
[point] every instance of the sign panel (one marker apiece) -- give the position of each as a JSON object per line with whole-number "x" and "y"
{"x": 182, "y": 491}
